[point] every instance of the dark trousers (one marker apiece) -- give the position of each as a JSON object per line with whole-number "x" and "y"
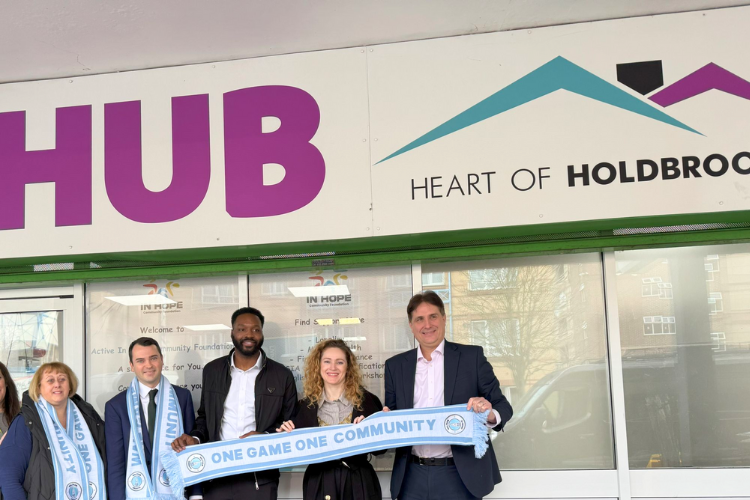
{"x": 241, "y": 486}
{"x": 430, "y": 482}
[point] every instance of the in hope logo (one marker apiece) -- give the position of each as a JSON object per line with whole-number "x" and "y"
{"x": 165, "y": 291}
{"x": 331, "y": 278}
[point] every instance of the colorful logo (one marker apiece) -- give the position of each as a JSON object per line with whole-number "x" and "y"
{"x": 336, "y": 279}
{"x": 561, "y": 74}
{"x": 163, "y": 478}
{"x": 73, "y": 491}
{"x": 455, "y": 424}
{"x": 136, "y": 481}
{"x": 196, "y": 462}
{"x": 165, "y": 291}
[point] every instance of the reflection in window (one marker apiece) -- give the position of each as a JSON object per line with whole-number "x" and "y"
{"x": 687, "y": 389}
{"x": 498, "y": 337}
{"x": 433, "y": 279}
{"x": 715, "y": 303}
{"x": 546, "y": 341}
{"x": 492, "y": 279}
{"x": 659, "y": 325}
{"x": 28, "y": 340}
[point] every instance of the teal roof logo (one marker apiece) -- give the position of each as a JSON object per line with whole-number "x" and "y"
{"x": 557, "y": 74}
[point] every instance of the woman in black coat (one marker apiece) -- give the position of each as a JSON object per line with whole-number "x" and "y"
{"x": 334, "y": 395}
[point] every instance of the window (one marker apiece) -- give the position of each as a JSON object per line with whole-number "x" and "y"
{"x": 715, "y": 302}
{"x": 492, "y": 279}
{"x": 719, "y": 341}
{"x": 654, "y": 287}
{"x": 686, "y": 388}
{"x": 526, "y": 313}
{"x": 272, "y": 288}
{"x": 659, "y": 325}
{"x": 433, "y": 279}
{"x": 399, "y": 281}
{"x": 711, "y": 268}
{"x": 650, "y": 287}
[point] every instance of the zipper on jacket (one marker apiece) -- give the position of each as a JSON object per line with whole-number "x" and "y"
{"x": 256, "y": 481}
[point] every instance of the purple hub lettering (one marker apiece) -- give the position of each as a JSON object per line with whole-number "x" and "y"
{"x": 191, "y": 159}
{"x": 247, "y": 148}
{"x": 68, "y": 166}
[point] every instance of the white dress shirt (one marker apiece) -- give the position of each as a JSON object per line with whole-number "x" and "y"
{"x": 429, "y": 391}
{"x": 239, "y": 407}
{"x": 143, "y": 391}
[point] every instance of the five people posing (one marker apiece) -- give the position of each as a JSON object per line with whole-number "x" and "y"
{"x": 243, "y": 394}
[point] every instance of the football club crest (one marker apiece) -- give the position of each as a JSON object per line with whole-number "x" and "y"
{"x": 455, "y": 424}
{"x": 163, "y": 478}
{"x": 73, "y": 491}
{"x": 136, "y": 481}
{"x": 196, "y": 462}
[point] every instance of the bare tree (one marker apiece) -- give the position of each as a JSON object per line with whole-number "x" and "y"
{"x": 518, "y": 315}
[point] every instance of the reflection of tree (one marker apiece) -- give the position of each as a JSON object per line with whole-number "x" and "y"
{"x": 516, "y": 315}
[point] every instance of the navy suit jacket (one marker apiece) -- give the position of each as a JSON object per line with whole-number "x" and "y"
{"x": 117, "y": 431}
{"x": 467, "y": 374}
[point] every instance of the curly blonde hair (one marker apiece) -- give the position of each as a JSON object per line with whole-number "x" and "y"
{"x": 313, "y": 386}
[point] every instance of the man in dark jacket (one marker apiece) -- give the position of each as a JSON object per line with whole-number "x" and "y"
{"x": 244, "y": 393}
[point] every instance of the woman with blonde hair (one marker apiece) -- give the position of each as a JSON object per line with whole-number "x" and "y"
{"x": 334, "y": 395}
{"x": 54, "y": 449}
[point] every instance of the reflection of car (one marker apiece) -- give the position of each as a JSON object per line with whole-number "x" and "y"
{"x": 563, "y": 421}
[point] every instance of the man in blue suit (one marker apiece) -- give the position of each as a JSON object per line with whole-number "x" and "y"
{"x": 441, "y": 373}
{"x": 146, "y": 361}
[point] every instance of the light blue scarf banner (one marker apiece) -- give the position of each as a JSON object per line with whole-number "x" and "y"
{"x": 452, "y": 425}
{"x": 142, "y": 484}
{"x": 79, "y": 470}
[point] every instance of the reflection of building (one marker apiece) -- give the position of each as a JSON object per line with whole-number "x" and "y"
{"x": 531, "y": 320}
{"x": 652, "y": 324}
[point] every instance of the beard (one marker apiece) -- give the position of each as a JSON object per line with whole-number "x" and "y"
{"x": 250, "y": 351}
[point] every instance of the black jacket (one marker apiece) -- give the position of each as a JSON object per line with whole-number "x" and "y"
{"x": 39, "y": 481}
{"x": 275, "y": 401}
{"x": 351, "y": 478}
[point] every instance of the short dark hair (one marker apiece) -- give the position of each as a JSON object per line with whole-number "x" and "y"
{"x": 430, "y": 297}
{"x": 144, "y": 342}
{"x": 248, "y": 310}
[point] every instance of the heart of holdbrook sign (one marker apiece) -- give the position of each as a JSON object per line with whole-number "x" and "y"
{"x": 453, "y": 425}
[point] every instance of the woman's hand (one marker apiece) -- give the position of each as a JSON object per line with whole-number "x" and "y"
{"x": 359, "y": 419}
{"x": 287, "y": 426}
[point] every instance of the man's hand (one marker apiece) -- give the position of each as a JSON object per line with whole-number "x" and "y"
{"x": 251, "y": 433}
{"x": 183, "y": 442}
{"x": 385, "y": 408}
{"x": 481, "y": 405}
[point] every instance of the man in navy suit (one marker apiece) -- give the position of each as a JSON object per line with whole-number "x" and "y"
{"x": 146, "y": 361}
{"x": 441, "y": 373}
